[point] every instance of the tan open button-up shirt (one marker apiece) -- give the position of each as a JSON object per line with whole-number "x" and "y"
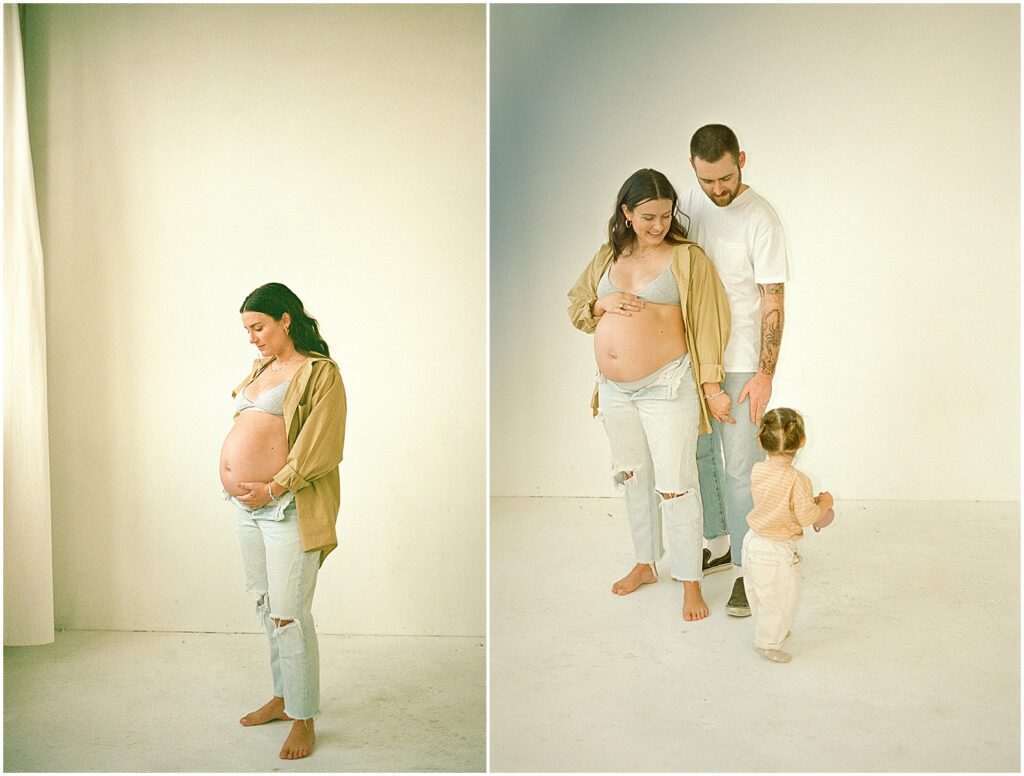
{"x": 705, "y": 313}
{"x": 314, "y": 415}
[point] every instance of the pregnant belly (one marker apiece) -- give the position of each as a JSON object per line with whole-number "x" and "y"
{"x": 629, "y": 348}
{"x": 254, "y": 450}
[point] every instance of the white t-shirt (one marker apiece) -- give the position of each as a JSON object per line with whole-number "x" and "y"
{"x": 746, "y": 242}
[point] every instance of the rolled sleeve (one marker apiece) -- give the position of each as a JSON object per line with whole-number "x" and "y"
{"x": 711, "y": 373}
{"x": 581, "y": 313}
{"x": 770, "y": 260}
{"x": 290, "y": 479}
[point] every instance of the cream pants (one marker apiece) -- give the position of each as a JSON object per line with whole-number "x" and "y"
{"x": 772, "y": 581}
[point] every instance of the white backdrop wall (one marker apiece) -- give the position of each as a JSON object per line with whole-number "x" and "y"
{"x": 887, "y": 137}
{"x": 187, "y": 154}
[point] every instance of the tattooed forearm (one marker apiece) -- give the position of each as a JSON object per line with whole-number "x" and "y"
{"x": 772, "y": 321}
{"x": 771, "y": 340}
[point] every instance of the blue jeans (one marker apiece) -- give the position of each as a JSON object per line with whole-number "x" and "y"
{"x": 652, "y": 431}
{"x": 724, "y": 460}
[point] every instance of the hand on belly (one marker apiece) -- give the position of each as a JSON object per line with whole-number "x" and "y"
{"x": 254, "y": 451}
{"x": 632, "y": 348}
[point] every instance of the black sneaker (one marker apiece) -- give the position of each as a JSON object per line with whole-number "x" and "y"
{"x": 738, "y": 606}
{"x": 711, "y": 565}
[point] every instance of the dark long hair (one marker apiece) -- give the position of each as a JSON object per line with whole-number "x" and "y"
{"x": 640, "y": 187}
{"x": 276, "y": 299}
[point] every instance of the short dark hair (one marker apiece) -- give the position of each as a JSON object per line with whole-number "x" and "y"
{"x": 643, "y": 186}
{"x": 713, "y": 141}
{"x": 276, "y": 299}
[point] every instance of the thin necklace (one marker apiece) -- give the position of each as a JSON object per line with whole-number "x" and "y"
{"x": 640, "y": 257}
{"x": 280, "y": 365}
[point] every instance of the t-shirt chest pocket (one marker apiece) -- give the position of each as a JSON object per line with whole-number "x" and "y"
{"x": 732, "y": 262}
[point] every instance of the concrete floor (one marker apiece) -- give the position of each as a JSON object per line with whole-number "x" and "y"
{"x": 115, "y": 701}
{"x": 906, "y": 649}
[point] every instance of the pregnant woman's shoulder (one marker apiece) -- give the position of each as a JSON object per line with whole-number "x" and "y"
{"x": 599, "y": 262}
{"x": 689, "y": 250}
{"x": 324, "y": 372}
{"x": 692, "y": 255}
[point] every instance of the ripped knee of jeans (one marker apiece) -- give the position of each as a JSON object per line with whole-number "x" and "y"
{"x": 670, "y": 495}
{"x": 290, "y": 637}
{"x": 621, "y": 476}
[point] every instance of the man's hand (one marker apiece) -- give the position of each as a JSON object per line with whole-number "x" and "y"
{"x": 759, "y": 389}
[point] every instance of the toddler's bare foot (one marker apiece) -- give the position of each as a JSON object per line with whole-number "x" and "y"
{"x": 642, "y": 574}
{"x": 775, "y": 654}
{"x": 268, "y": 712}
{"x": 694, "y": 607}
{"x": 300, "y": 740}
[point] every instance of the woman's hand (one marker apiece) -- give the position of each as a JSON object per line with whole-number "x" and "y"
{"x": 719, "y": 402}
{"x": 719, "y": 408}
{"x": 258, "y": 495}
{"x": 619, "y": 303}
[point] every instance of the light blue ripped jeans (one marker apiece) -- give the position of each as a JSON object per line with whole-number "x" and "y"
{"x": 652, "y": 429}
{"x": 283, "y": 579}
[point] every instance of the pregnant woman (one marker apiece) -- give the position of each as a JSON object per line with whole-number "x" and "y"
{"x": 661, "y": 323}
{"x": 279, "y": 466}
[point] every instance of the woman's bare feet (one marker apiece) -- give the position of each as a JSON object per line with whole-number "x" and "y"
{"x": 694, "y": 607}
{"x": 642, "y": 574}
{"x": 268, "y": 712}
{"x": 300, "y": 740}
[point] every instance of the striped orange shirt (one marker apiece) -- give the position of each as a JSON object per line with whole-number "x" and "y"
{"x": 783, "y": 500}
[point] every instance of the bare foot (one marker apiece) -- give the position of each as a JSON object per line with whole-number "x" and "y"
{"x": 300, "y": 740}
{"x": 268, "y": 712}
{"x": 694, "y": 607}
{"x": 775, "y": 654}
{"x": 642, "y": 574}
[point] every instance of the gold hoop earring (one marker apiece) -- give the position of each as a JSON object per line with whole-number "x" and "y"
{"x": 629, "y": 224}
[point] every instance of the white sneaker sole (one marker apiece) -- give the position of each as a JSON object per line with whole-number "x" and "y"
{"x": 715, "y": 569}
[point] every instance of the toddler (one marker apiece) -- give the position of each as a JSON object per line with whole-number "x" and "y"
{"x": 783, "y": 505}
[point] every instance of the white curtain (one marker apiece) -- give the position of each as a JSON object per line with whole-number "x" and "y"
{"x": 28, "y": 557}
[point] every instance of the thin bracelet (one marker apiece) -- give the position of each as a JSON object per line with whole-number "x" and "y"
{"x": 714, "y": 396}
{"x": 270, "y": 489}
